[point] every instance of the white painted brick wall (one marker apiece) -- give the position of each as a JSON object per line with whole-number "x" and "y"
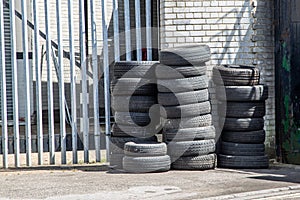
{"x": 238, "y": 32}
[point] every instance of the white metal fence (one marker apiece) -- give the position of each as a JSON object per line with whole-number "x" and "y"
{"x": 56, "y": 52}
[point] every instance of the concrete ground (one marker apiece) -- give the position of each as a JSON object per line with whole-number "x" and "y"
{"x": 97, "y": 182}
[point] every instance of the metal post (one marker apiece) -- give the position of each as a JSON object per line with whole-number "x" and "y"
{"x": 127, "y": 29}
{"x": 148, "y": 30}
{"x": 85, "y": 122}
{"x": 95, "y": 83}
{"x": 49, "y": 85}
{"x": 106, "y": 77}
{"x": 15, "y": 83}
{"x": 73, "y": 82}
{"x": 27, "y": 82}
{"x": 38, "y": 84}
{"x": 116, "y": 30}
{"x": 3, "y": 92}
{"x": 61, "y": 84}
{"x": 138, "y": 30}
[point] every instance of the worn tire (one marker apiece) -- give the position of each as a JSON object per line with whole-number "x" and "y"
{"x": 175, "y": 72}
{"x": 183, "y": 98}
{"x": 189, "y": 110}
{"x": 250, "y": 137}
{"x": 117, "y": 143}
{"x": 133, "y": 86}
{"x": 232, "y": 81}
{"x": 133, "y": 131}
{"x": 237, "y": 149}
{"x": 135, "y": 69}
{"x": 242, "y": 93}
{"x": 245, "y": 109}
{"x": 191, "y": 148}
{"x": 186, "y": 55}
{"x": 116, "y": 160}
{"x": 243, "y": 162}
{"x": 146, "y": 164}
{"x": 243, "y": 124}
{"x": 136, "y": 103}
{"x": 188, "y": 122}
{"x": 135, "y": 118}
{"x": 145, "y": 149}
{"x": 203, "y": 162}
{"x": 189, "y": 134}
{"x": 183, "y": 84}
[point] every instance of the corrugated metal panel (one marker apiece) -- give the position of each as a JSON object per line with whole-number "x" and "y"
{"x": 8, "y": 64}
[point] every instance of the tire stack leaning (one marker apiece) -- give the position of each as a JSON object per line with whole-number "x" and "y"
{"x": 133, "y": 93}
{"x": 243, "y": 135}
{"x": 185, "y": 107}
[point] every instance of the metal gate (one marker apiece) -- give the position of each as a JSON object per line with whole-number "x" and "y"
{"x": 61, "y": 82}
{"x": 287, "y": 80}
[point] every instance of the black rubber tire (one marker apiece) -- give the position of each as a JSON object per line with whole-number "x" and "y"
{"x": 136, "y": 103}
{"x": 133, "y": 86}
{"x": 232, "y": 81}
{"x": 189, "y": 134}
{"x": 145, "y": 149}
{"x": 203, "y": 162}
{"x": 133, "y": 131}
{"x": 237, "y": 70}
{"x": 242, "y": 93}
{"x": 183, "y": 98}
{"x": 116, "y": 160}
{"x": 237, "y": 149}
{"x": 188, "y": 122}
{"x": 251, "y": 137}
{"x": 185, "y": 55}
{"x": 245, "y": 109}
{"x": 146, "y": 164}
{"x": 189, "y": 110}
{"x": 135, "y": 69}
{"x": 175, "y": 72}
{"x": 191, "y": 148}
{"x": 183, "y": 84}
{"x": 117, "y": 143}
{"x": 243, "y": 162}
{"x": 135, "y": 118}
{"x": 243, "y": 124}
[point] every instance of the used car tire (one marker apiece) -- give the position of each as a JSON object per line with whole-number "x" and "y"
{"x": 243, "y": 124}
{"x": 133, "y": 86}
{"x": 134, "y": 131}
{"x": 202, "y": 162}
{"x": 136, "y": 103}
{"x": 243, "y": 162}
{"x": 146, "y": 164}
{"x": 238, "y": 149}
{"x": 191, "y": 148}
{"x": 144, "y": 149}
{"x": 185, "y": 55}
{"x": 249, "y": 137}
{"x": 135, "y": 69}
{"x": 183, "y": 98}
{"x": 189, "y": 134}
{"x": 188, "y": 122}
{"x": 245, "y": 109}
{"x": 175, "y": 72}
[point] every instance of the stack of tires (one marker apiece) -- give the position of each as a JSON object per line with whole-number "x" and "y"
{"x": 146, "y": 157}
{"x": 243, "y": 135}
{"x": 185, "y": 107}
{"x": 134, "y": 92}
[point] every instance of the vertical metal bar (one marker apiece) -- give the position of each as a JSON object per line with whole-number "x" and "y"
{"x": 95, "y": 83}
{"x": 61, "y": 85}
{"x": 138, "y": 30}
{"x": 127, "y": 29}
{"x": 49, "y": 86}
{"x": 38, "y": 84}
{"x": 85, "y": 122}
{"x": 148, "y": 30}
{"x": 116, "y": 30}
{"x": 3, "y": 91}
{"x": 15, "y": 83}
{"x": 106, "y": 77}
{"x": 27, "y": 82}
{"x": 73, "y": 83}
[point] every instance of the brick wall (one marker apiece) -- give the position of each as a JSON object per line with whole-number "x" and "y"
{"x": 238, "y": 32}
